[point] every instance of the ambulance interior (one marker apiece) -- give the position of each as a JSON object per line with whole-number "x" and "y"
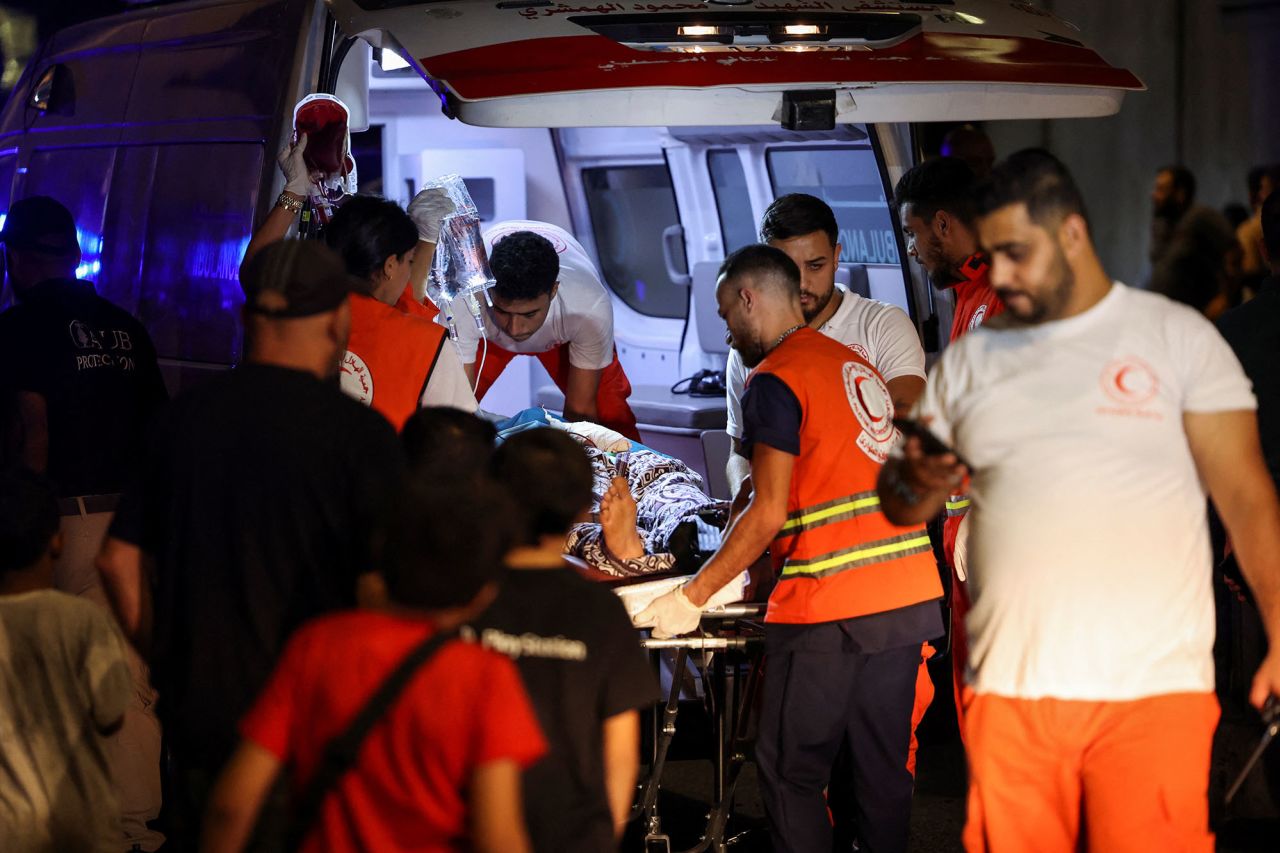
{"x": 658, "y": 209}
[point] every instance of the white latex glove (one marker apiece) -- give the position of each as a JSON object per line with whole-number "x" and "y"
{"x": 297, "y": 178}
{"x": 669, "y": 615}
{"x": 427, "y": 209}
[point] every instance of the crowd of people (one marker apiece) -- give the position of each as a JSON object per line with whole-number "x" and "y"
{"x": 314, "y": 603}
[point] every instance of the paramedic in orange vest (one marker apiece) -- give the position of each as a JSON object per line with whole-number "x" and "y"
{"x": 395, "y": 362}
{"x": 1095, "y": 417}
{"x": 855, "y": 596}
{"x": 935, "y": 203}
{"x": 548, "y": 302}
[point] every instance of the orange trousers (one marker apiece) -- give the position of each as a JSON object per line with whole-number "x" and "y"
{"x": 924, "y": 697}
{"x": 1047, "y": 774}
{"x": 612, "y": 409}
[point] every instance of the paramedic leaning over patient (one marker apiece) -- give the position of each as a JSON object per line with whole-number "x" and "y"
{"x": 548, "y": 302}
{"x": 855, "y": 596}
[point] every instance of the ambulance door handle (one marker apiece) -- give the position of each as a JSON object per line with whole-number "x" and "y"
{"x": 672, "y": 248}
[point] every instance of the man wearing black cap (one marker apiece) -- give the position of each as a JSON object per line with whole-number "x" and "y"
{"x": 82, "y": 378}
{"x": 254, "y": 511}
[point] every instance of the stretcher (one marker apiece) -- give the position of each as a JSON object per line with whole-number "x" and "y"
{"x": 726, "y": 654}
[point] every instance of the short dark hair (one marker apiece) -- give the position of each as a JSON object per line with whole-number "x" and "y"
{"x": 28, "y": 519}
{"x": 797, "y": 214}
{"x": 1183, "y": 179}
{"x": 943, "y": 183}
{"x": 1271, "y": 227}
{"x": 525, "y": 266}
{"x": 443, "y": 541}
{"x": 548, "y": 475}
{"x": 1039, "y": 180}
{"x": 442, "y": 438}
{"x": 762, "y": 260}
{"x": 366, "y": 230}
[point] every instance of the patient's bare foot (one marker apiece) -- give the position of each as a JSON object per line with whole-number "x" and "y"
{"x": 618, "y": 518}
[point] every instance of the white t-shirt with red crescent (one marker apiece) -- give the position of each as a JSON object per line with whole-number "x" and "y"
{"x": 1089, "y": 557}
{"x": 581, "y": 314}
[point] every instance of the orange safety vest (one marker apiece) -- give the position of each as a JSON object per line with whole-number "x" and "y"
{"x": 837, "y": 556}
{"x": 390, "y": 357}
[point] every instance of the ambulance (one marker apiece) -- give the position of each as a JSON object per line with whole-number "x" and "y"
{"x": 657, "y": 132}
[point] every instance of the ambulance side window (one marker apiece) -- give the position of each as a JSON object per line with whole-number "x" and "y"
{"x": 189, "y": 293}
{"x": 847, "y": 178}
{"x": 733, "y": 202}
{"x": 630, "y": 206}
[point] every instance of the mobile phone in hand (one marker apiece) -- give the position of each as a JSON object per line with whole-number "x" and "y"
{"x": 929, "y": 443}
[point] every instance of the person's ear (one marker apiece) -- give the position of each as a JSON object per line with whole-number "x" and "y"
{"x": 1073, "y": 236}
{"x": 555, "y": 288}
{"x": 55, "y": 546}
{"x": 942, "y": 224}
{"x": 389, "y": 267}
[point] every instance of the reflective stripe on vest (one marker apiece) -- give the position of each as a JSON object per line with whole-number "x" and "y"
{"x": 840, "y": 509}
{"x": 957, "y": 505}
{"x": 868, "y": 553}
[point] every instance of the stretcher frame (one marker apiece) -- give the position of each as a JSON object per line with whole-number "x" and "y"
{"x": 733, "y": 630}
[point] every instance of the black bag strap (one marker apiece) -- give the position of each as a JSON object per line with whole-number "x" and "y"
{"x": 341, "y": 752}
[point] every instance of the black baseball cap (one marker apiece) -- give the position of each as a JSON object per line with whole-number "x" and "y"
{"x": 40, "y": 224}
{"x": 296, "y": 278}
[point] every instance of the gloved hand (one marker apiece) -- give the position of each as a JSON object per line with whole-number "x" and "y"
{"x": 297, "y": 177}
{"x": 427, "y": 209}
{"x": 669, "y": 615}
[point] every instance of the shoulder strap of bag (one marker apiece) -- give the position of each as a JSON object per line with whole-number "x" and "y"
{"x": 341, "y": 752}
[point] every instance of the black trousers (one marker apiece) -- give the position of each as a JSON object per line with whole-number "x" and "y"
{"x": 813, "y": 700}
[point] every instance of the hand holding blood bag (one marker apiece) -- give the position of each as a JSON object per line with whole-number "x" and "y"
{"x": 324, "y": 122}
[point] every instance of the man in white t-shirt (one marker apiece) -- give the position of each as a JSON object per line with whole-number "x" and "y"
{"x": 548, "y": 302}
{"x": 805, "y": 228}
{"x": 1094, "y": 417}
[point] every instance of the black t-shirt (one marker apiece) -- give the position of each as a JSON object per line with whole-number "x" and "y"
{"x": 257, "y": 500}
{"x": 95, "y": 367}
{"x": 771, "y": 415}
{"x": 581, "y": 662}
{"x": 1253, "y": 330}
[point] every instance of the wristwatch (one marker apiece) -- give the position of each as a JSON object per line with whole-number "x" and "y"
{"x": 289, "y": 203}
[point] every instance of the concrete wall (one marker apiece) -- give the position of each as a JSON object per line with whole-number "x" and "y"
{"x": 1212, "y": 69}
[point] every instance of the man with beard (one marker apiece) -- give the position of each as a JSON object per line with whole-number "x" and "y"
{"x": 805, "y": 228}
{"x": 935, "y": 203}
{"x": 855, "y": 596}
{"x": 1092, "y": 440}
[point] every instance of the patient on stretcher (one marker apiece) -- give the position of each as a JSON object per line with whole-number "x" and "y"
{"x": 649, "y": 512}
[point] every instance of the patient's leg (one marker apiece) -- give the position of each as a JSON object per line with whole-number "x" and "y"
{"x": 618, "y": 520}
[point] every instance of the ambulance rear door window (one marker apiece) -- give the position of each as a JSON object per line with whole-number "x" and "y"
{"x": 733, "y": 201}
{"x": 848, "y": 179}
{"x": 630, "y": 206}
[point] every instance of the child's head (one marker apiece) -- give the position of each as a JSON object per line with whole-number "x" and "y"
{"x": 443, "y": 441}
{"x": 29, "y": 541}
{"x": 549, "y": 476}
{"x": 444, "y": 542}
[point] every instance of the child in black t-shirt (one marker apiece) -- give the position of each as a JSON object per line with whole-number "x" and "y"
{"x": 576, "y": 650}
